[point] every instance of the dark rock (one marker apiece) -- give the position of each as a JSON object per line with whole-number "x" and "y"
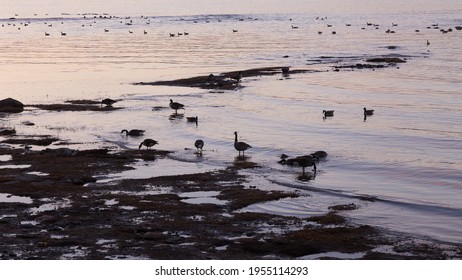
{"x": 386, "y": 60}
{"x": 7, "y": 132}
{"x": 10, "y": 105}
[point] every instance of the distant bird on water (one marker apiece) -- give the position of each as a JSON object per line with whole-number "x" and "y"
{"x": 176, "y": 106}
{"x": 328, "y": 113}
{"x": 367, "y": 112}
{"x": 199, "y": 144}
{"x": 428, "y": 43}
{"x": 133, "y": 132}
{"x": 240, "y": 146}
{"x": 148, "y": 143}
{"x": 108, "y": 102}
{"x": 192, "y": 119}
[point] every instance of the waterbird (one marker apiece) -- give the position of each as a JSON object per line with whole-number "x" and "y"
{"x": 367, "y": 112}
{"x": 428, "y": 43}
{"x": 192, "y": 119}
{"x": 328, "y": 113}
{"x": 148, "y": 142}
{"x": 108, "y": 102}
{"x": 199, "y": 144}
{"x": 240, "y": 146}
{"x": 176, "y": 106}
{"x": 306, "y": 161}
{"x": 133, "y": 132}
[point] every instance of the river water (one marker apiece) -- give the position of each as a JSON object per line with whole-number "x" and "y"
{"x": 405, "y": 159}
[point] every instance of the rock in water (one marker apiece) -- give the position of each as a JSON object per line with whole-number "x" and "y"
{"x": 10, "y": 105}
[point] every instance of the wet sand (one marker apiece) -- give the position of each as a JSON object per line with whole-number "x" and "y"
{"x": 55, "y": 207}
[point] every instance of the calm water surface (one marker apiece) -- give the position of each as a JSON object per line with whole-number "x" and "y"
{"x": 407, "y": 156}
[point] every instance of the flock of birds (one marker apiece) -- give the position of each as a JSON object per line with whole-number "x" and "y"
{"x": 240, "y": 146}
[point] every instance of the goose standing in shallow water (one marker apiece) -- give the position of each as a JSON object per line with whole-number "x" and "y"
{"x": 133, "y": 132}
{"x": 176, "y": 106}
{"x": 240, "y": 146}
{"x": 148, "y": 143}
{"x": 199, "y": 144}
{"x": 306, "y": 161}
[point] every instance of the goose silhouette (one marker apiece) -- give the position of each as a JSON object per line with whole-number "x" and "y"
{"x": 240, "y": 146}
{"x": 328, "y": 113}
{"x": 367, "y": 112}
{"x": 176, "y": 106}
{"x": 148, "y": 143}
{"x": 133, "y": 132}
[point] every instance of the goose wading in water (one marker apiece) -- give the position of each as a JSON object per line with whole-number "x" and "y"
{"x": 133, "y": 132}
{"x": 199, "y": 144}
{"x": 306, "y": 161}
{"x": 176, "y": 106}
{"x": 148, "y": 143}
{"x": 240, "y": 146}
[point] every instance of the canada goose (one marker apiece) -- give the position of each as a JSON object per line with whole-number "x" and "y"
{"x": 294, "y": 27}
{"x": 234, "y": 30}
{"x": 240, "y": 146}
{"x": 63, "y": 34}
{"x": 328, "y": 113}
{"x": 306, "y": 161}
{"x": 176, "y": 106}
{"x": 108, "y": 102}
{"x": 133, "y": 132}
{"x": 47, "y": 34}
{"x": 199, "y": 144}
{"x": 192, "y": 119}
{"x": 148, "y": 143}
{"x": 367, "y": 112}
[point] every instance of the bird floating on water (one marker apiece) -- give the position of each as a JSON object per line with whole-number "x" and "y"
{"x": 192, "y": 119}
{"x": 176, "y": 106}
{"x": 133, "y": 132}
{"x": 148, "y": 143}
{"x": 367, "y": 112}
{"x": 108, "y": 102}
{"x": 240, "y": 146}
{"x": 199, "y": 144}
{"x": 328, "y": 113}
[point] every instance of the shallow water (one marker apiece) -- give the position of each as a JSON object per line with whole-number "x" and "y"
{"x": 406, "y": 156}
